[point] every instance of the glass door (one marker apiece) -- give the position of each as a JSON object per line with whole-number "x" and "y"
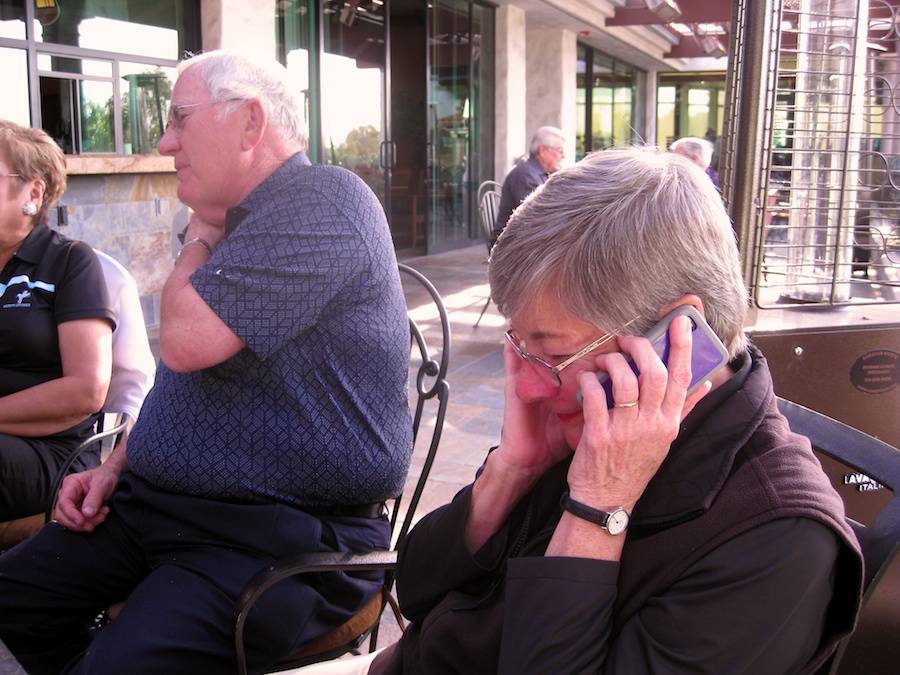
{"x": 392, "y": 90}
{"x": 353, "y": 93}
{"x": 450, "y": 37}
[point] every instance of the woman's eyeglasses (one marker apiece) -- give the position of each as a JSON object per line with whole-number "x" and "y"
{"x": 550, "y": 374}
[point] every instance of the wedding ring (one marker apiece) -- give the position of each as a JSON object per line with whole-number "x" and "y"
{"x": 625, "y": 405}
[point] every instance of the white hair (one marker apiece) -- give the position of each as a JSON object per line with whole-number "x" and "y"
{"x": 236, "y": 75}
{"x": 699, "y": 150}
{"x": 546, "y": 136}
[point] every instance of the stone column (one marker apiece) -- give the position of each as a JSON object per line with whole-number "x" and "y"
{"x": 511, "y": 137}
{"x": 552, "y": 60}
{"x": 239, "y": 24}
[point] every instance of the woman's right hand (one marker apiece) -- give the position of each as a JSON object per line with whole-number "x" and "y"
{"x": 531, "y": 442}
{"x": 532, "y": 439}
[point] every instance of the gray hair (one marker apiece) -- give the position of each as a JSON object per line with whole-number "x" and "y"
{"x": 618, "y": 236}
{"x": 698, "y": 149}
{"x": 546, "y": 136}
{"x": 235, "y": 75}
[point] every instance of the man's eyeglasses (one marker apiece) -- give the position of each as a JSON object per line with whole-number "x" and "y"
{"x": 177, "y": 117}
{"x": 10, "y": 175}
{"x": 550, "y": 374}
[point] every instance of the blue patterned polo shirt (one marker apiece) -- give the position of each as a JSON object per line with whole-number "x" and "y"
{"x": 314, "y": 410}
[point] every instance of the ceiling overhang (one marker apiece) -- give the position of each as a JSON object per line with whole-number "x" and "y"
{"x": 699, "y": 27}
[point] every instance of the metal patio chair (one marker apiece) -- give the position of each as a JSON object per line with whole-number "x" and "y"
{"x": 428, "y": 368}
{"x": 488, "y": 202}
{"x": 866, "y": 473}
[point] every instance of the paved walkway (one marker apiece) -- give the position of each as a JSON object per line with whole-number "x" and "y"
{"x": 475, "y": 374}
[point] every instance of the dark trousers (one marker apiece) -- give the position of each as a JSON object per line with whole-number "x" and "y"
{"x": 27, "y": 469}
{"x": 180, "y": 562}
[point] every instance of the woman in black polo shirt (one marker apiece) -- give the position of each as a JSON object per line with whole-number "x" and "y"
{"x": 55, "y": 326}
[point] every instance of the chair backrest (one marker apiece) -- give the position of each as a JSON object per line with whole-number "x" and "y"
{"x": 866, "y": 473}
{"x": 429, "y": 361}
{"x": 134, "y": 367}
{"x": 428, "y": 374}
{"x": 488, "y": 201}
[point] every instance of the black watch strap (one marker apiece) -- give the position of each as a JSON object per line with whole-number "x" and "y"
{"x": 615, "y": 522}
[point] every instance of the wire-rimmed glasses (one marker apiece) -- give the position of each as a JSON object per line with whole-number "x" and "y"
{"x": 176, "y": 117}
{"x": 550, "y": 374}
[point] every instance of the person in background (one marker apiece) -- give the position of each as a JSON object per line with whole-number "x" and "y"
{"x": 545, "y": 157}
{"x": 133, "y": 365}
{"x": 278, "y": 422}
{"x": 663, "y": 532}
{"x": 55, "y": 329}
{"x": 133, "y": 368}
{"x": 699, "y": 151}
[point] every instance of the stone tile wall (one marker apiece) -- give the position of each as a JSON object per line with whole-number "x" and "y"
{"x": 133, "y": 217}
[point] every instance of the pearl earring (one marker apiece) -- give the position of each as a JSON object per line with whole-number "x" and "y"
{"x": 29, "y": 208}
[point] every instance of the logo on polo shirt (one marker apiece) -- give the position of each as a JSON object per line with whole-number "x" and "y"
{"x": 23, "y": 297}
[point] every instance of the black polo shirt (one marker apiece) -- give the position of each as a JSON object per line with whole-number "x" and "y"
{"x": 50, "y": 280}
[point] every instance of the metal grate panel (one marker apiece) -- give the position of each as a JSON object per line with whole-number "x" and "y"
{"x": 827, "y": 222}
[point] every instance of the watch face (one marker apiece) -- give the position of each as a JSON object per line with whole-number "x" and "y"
{"x": 618, "y": 522}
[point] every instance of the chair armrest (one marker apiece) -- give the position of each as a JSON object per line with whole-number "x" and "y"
{"x": 119, "y": 428}
{"x": 302, "y": 563}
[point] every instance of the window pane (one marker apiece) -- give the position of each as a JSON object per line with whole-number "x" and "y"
{"x": 126, "y": 26}
{"x": 96, "y": 100}
{"x": 78, "y": 114}
{"x": 665, "y": 115}
{"x": 14, "y": 102}
{"x": 129, "y": 38}
{"x": 12, "y": 19}
{"x": 48, "y": 63}
{"x": 146, "y": 94}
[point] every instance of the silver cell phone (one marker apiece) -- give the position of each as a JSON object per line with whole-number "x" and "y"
{"x": 708, "y": 354}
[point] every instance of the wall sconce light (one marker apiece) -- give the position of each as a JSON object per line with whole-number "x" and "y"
{"x": 47, "y": 11}
{"x": 667, "y": 10}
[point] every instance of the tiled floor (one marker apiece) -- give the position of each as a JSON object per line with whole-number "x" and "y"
{"x": 475, "y": 371}
{"x": 475, "y": 374}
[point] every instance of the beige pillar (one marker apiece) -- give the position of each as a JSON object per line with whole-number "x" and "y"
{"x": 510, "y": 134}
{"x": 239, "y": 24}
{"x": 552, "y": 84}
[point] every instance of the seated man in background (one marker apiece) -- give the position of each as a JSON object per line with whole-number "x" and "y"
{"x": 647, "y": 529}
{"x": 278, "y": 422}
{"x": 698, "y": 150}
{"x": 545, "y": 157}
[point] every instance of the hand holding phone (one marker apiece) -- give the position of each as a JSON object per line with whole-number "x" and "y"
{"x": 708, "y": 354}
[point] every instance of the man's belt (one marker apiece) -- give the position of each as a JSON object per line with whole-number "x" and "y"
{"x": 375, "y": 510}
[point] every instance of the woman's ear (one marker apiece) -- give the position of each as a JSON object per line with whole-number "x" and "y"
{"x": 687, "y": 299}
{"x": 36, "y": 192}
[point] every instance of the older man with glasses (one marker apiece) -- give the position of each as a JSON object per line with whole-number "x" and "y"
{"x": 545, "y": 157}
{"x": 278, "y": 423}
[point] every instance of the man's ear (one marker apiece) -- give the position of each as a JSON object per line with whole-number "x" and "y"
{"x": 687, "y": 299}
{"x": 255, "y": 123}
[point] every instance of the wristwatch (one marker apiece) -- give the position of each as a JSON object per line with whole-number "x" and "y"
{"x": 615, "y": 522}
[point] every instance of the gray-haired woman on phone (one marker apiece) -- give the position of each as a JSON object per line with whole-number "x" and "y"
{"x": 669, "y": 532}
